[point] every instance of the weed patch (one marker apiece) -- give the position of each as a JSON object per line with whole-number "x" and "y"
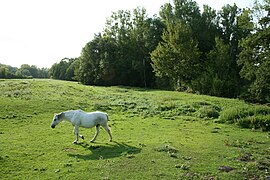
{"x": 166, "y": 148}
{"x": 207, "y": 112}
{"x": 248, "y": 117}
{"x": 237, "y": 143}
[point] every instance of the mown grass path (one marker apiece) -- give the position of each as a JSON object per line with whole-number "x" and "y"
{"x": 157, "y": 135}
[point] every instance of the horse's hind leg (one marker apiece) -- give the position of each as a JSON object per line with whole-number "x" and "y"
{"x": 97, "y": 131}
{"x": 107, "y": 128}
{"x": 81, "y": 136}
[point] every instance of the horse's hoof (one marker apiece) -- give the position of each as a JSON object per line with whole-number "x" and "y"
{"x": 110, "y": 140}
{"x": 75, "y": 142}
{"x": 82, "y": 137}
{"x": 92, "y": 141}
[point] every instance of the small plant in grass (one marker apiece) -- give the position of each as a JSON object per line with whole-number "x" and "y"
{"x": 207, "y": 112}
{"x": 237, "y": 143}
{"x": 182, "y": 166}
{"x": 172, "y": 151}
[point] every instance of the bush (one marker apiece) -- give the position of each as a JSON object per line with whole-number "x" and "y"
{"x": 208, "y": 112}
{"x": 230, "y": 115}
{"x": 256, "y": 122}
{"x": 249, "y": 117}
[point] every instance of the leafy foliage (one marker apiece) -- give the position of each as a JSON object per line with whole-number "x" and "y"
{"x": 121, "y": 54}
{"x": 177, "y": 56}
{"x": 248, "y": 117}
{"x": 64, "y": 70}
{"x": 25, "y": 71}
{"x": 255, "y": 60}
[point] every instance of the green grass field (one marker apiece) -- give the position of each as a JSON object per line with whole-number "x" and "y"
{"x": 156, "y": 134}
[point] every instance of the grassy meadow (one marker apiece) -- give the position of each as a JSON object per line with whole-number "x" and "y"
{"x": 156, "y": 134}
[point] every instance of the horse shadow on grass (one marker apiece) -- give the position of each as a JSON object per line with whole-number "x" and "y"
{"x": 106, "y": 151}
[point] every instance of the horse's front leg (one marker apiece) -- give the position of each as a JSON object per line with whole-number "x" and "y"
{"x": 76, "y": 132}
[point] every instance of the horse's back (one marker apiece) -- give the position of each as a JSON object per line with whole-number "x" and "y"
{"x": 97, "y": 113}
{"x": 92, "y": 114}
{"x": 93, "y": 118}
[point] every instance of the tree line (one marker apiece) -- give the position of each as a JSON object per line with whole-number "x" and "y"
{"x": 221, "y": 53}
{"x": 25, "y": 71}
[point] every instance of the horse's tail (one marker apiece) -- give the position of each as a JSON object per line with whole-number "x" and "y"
{"x": 107, "y": 116}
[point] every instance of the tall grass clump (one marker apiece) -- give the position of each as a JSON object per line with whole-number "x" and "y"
{"x": 256, "y": 117}
{"x": 206, "y": 110}
{"x": 256, "y": 122}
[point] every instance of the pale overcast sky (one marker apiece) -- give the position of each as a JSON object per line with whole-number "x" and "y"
{"x": 42, "y": 32}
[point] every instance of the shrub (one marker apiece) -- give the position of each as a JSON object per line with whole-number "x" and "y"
{"x": 231, "y": 115}
{"x": 256, "y": 122}
{"x": 249, "y": 117}
{"x": 208, "y": 112}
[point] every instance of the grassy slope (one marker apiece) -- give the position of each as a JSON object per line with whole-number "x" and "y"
{"x": 157, "y": 135}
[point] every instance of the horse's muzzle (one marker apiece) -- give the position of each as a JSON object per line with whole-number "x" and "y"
{"x": 53, "y": 126}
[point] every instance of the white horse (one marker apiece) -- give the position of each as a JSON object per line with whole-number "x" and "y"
{"x": 79, "y": 118}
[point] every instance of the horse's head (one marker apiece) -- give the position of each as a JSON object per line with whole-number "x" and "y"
{"x": 56, "y": 120}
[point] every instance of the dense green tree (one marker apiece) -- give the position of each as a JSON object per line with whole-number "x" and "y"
{"x": 70, "y": 71}
{"x": 43, "y": 72}
{"x": 28, "y": 71}
{"x": 95, "y": 63}
{"x": 145, "y": 35}
{"x": 207, "y": 30}
{"x": 255, "y": 58}
{"x": 220, "y": 73}
{"x": 64, "y": 70}
{"x": 204, "y": 25}
{"x": 121, "y": 55}
{"x": 231, "y": 35}
{"x": 216, "y": 79}
{"x": 177, "y": 56}
{"x": 25, "y": 71}
{"x": 6, "y": 71}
